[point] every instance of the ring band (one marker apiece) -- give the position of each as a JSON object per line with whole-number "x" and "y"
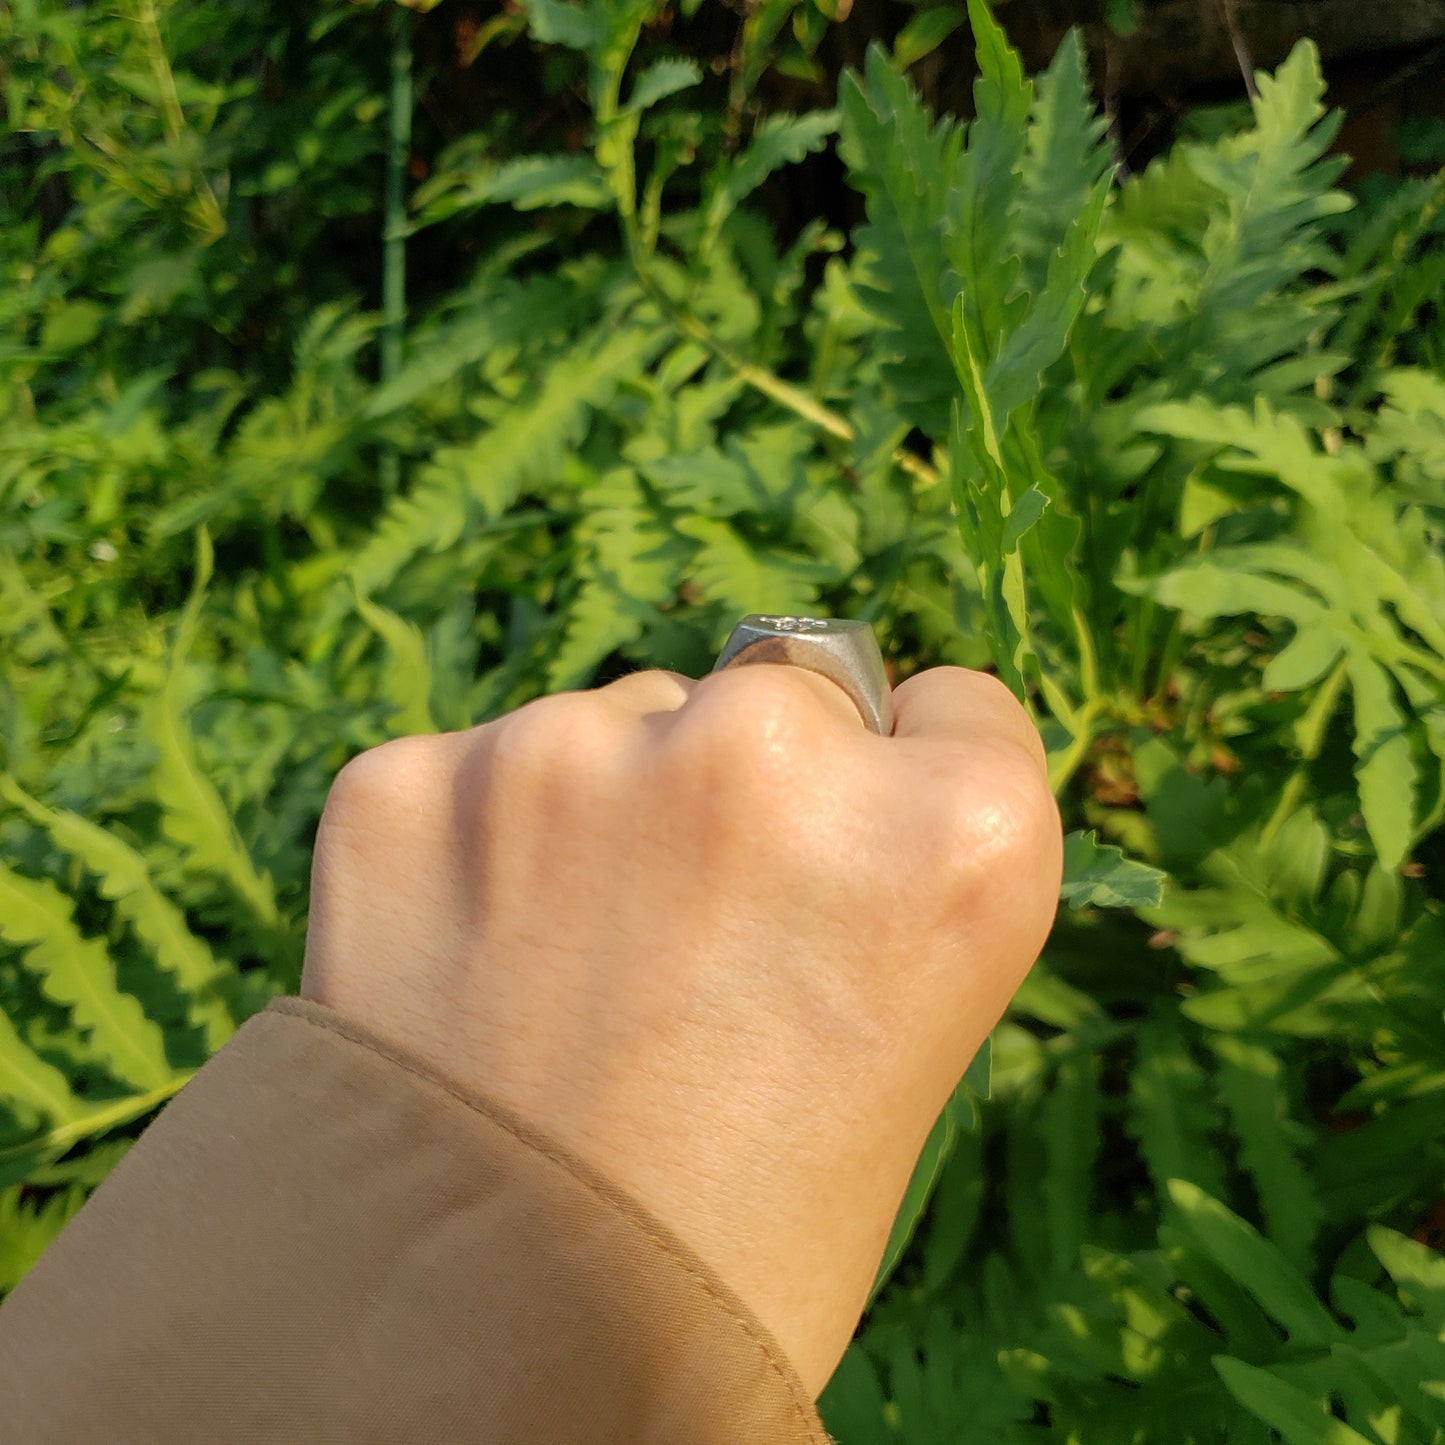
{"x": 843, "y": 651}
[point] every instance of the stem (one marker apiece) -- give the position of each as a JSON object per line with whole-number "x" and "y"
{"x": 393, "y": 257}
{"x": 794, "y": 398}
{"x": 1063, "y": 766}
{"x": 1169, "y": 656}
{"x": 174, "y": 118}
{"x": 1313, "y": 726}
{"x": 98, "y": 1120}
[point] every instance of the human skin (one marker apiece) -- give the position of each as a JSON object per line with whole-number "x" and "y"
{"x": 714, "y": 936}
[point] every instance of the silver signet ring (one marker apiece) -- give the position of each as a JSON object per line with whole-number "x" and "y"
{"x": 843, "y": 651}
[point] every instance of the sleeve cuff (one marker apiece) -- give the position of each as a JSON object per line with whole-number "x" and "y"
{"x": 322, "y": 1239}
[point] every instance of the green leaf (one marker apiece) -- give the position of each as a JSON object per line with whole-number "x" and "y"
{"x": 556, "y": 22}
{"x": 779, "y": 140}
{"x": 629, "y": 563}
{"x": 526, "y": 446}
{"x": 1308, "y": 656}
{"x": 1244, "y": 1255}
{"x": 1012, "y": 373}
{"x": 1122, "y": 16}
{"x": 126, "y": 879}
{"x": 1299, "y": 1419}
{"x": 1098, "y": 875}
{"x": 1024, "y": 513}
{"x": 1418, "y": 1270}
{"x": 978, "y": 1078}
{"x": 905, "y": 166}
{"x": 27, "y": 1229}
{"x": 1069, "y": 1122}
{"x": 1218, "y": 240}
{"x": 1253, "y": 1087}
{"x": 71, "y": 325}
{"x": 1208, "y": 586}
{"x": 924, "y": 34}
{"x": 1384, "y": 767}
{"x": 743, "y": 576}
{"x": 661, "y": 79}
{"x": 526, "y": 183}
{"x": 77, "y": 972}
{"x": 510, "y": 313}
{"x": 853, "y": 1405}
{"x": 406, "y": 680}
{"x": 196, "y": 818}
{"x": 1171, "y": 1111}
{"x": 29, "y": 1082}
{"x": 959, "y": 1113}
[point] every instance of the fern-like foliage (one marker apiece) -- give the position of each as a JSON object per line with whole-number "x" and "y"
{"x": 1364, "y": 586}
{"x": 1215, "y": 240}
{"x": 77, "y": 973}
{"x": 478, "y": 480}
{"x": 982, "y": 240}
{"x": 126, "y": 879}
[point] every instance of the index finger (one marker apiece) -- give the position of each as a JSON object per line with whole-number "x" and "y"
{"x": 964, "y": 706}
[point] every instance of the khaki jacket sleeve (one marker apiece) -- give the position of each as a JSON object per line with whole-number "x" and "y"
{"x": 321, "y": 1240}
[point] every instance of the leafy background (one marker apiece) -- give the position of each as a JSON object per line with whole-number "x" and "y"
{"x": 369, "y": 373}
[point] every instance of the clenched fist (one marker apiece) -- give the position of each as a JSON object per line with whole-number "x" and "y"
{"x": 714, "y": 937}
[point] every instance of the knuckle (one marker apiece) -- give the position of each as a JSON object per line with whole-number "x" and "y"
{"x": 564, "y": 735}
{"x": 998, "y": 814}
{"x": 380, "y": 779}
{"x": 758, "y": 716}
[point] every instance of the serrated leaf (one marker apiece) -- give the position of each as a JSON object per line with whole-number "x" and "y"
{"x": 541, "y": 306}
{"x": 1251, "y": 1083}
{"x": 1098, "y": 875}
{"x": 479, "y": 480}
{"x": 77, "y": 972}
{"x": 1208, "y": 586}
{"x": 904, "y": 164}
{"x": 195, "y": 816}
{"x": 661, "y": 79}
{"x": 745, "y": 577}
{"x": 779, "y": 140}
{"x": 1384, "y": 768}
{"x": 30, "y": 1082}
{"x": 1012, "y": 374}
{"x": 27, "y": 1229}
{"x": 707, "y": 481}
{"x": 526, "y": 183}
{"x": 406, "y": 679}
{"x": 126, "y": 879}
{"x": 629, "y": 564}
{"x": 556, "y": 22}
{"x": 1171, "y": 1111}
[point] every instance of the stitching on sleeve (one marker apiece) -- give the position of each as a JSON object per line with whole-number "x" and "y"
{"x": 307, "y": 1012}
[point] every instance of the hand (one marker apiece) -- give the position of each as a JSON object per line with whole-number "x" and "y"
{"x": 714, "y": 937}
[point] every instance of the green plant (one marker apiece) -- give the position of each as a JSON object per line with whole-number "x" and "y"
{"x": 1165, "y": 452}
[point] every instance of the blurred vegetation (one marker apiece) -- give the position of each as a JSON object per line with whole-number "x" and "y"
{"x": 370, "y": 372}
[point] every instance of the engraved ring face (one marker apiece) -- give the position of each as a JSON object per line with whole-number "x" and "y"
{"x": 840, "y": 649}
{"x": 796, "y": 624}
